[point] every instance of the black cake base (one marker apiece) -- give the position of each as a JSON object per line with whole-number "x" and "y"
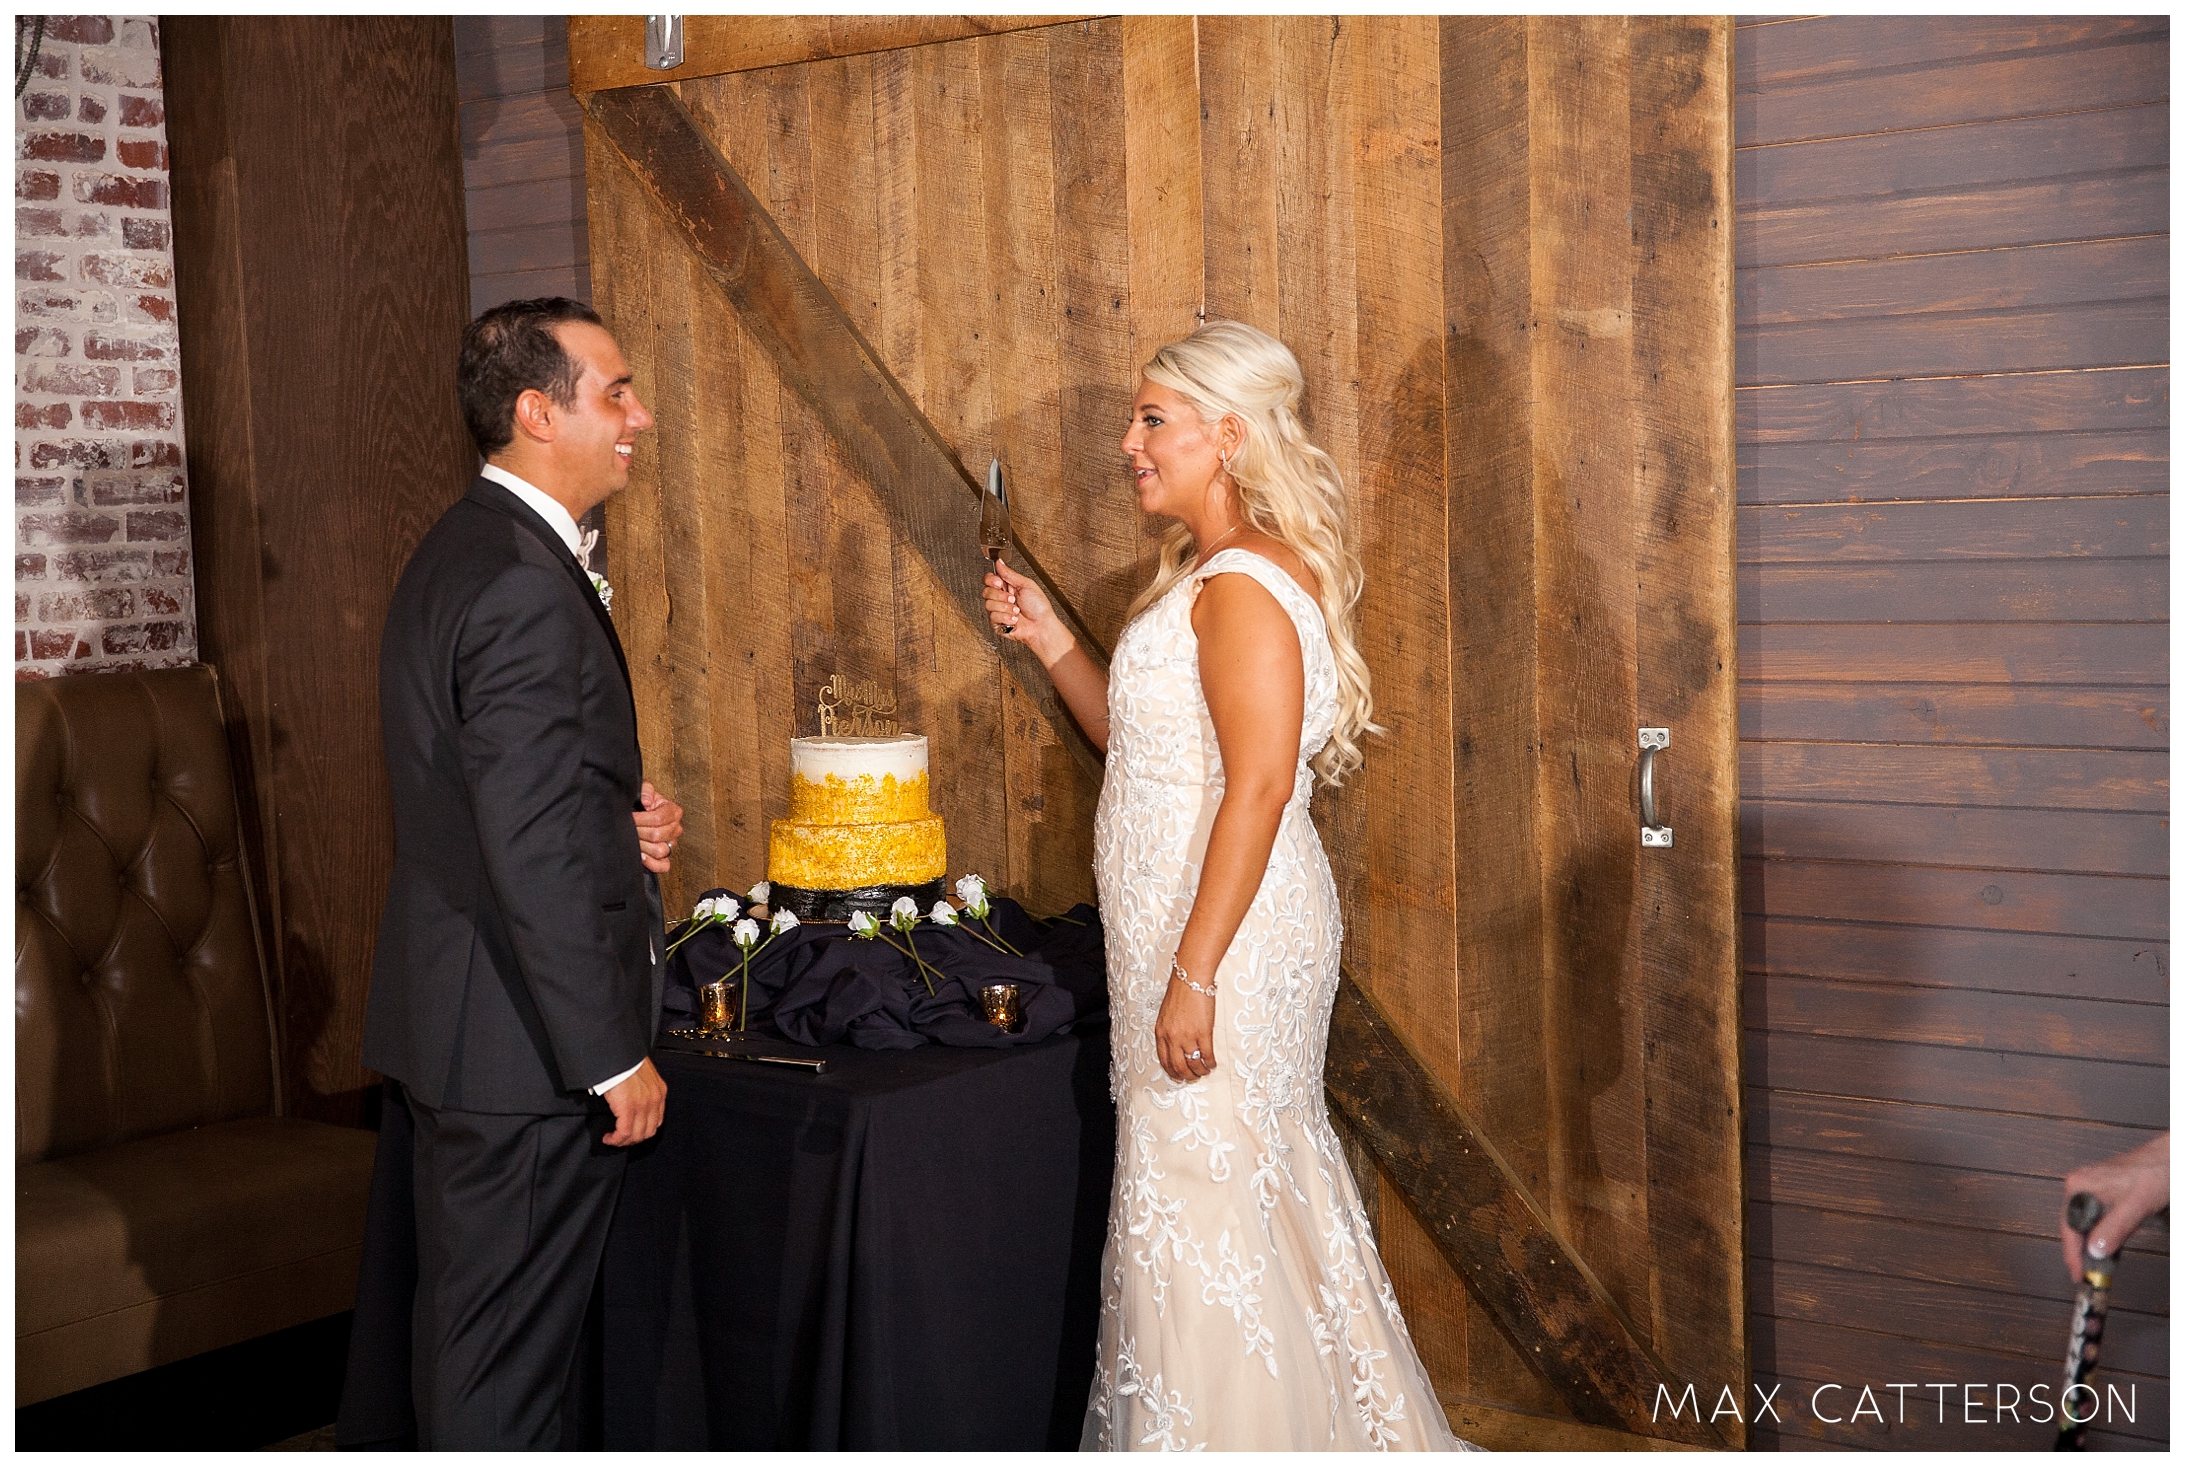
{"x": 820, "y": 905}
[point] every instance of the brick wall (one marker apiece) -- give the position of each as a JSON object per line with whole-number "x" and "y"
{"x": 102, "y": 524}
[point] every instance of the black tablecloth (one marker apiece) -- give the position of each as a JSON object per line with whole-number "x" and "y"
{"x": 900, "y": 1253}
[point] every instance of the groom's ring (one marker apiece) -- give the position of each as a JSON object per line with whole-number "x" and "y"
{"x": 1193, "y": 1055}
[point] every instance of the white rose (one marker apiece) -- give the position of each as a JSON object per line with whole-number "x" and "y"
{"x": 862, "y": 924}
{"x": 764, "y": 891}
{"x": 746, "y": 933}
{"x": 904, "y": 912}
{"x": 971, "y": 890}
{"x": 784, "y": 920}
{"x": 944, "y": 914}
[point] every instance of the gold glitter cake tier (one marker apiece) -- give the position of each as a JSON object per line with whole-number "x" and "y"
{"x": 858, "y": 800}
{"x": 833, "y": 857}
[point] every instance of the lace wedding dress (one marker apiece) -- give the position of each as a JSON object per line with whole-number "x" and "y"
{"x": 1244, "y": 1306}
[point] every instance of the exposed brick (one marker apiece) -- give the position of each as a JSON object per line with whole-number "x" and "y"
{"x": 30, "y": 185}
{"x": 106, "y": 346}
{"x": 150, "y": 381}
{"x": 119, "y": 67}
{"x": 90, "y": 109}
{"x": 80, "y": 453}
{"x": 22, "y": 608}
{"x": 106, "y": 565}
{"x": 138, "y": 111}
{"x": 143, "y": 34}
{"x": 146, "y": 234}
{"x": 142, "y": 153}
{"x": 175, "y": 562}
{"x": 107, "y": 417}
{"x": 57, "y": 644}
{"x": 52, "y": 65}
{"x": 46, "y": 303}
{"x": 120, "y": 192}
{"x": 22, "y": 655}
{"x": 103, "y": 603}
{"x": 45, "y": 106}
{"x": 70, "y": 527}
{"x": 155, "y": 453}
{"x": 40, "y": 415}
{"x": 43, "y": 341}
{"x": 148, "y": 308}
{"x": 120, "y": 489}
{"x": 150, "y": 636}
{"x": 61, "y": 147}
{"x": 37, "y": 489}
{"x": 38, "y": 265}
{"x": 91, "y": 225}
{"x": 80, "y": 30}
{"x": 126, "y": 270}
{"x": 158, "y": 524}
{"x": 73, "y": 380}
{"x": 30, "y": 568}
{"x": 163, "y": 601}
{"x": 38, "y": 222}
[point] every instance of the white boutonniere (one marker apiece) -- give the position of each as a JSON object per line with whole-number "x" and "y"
{"x": 603, "y": 590}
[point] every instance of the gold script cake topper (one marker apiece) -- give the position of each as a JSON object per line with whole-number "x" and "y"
{"x": 855, "y": 707}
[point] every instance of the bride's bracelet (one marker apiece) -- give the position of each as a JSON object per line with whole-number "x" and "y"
{"x": 1176, "y": 971}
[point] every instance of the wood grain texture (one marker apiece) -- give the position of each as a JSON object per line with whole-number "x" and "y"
{"x": 1995, "y": 653}
{"x": 523, "y": 161}
{"x": 2122, "y": 589}
{"x": 1850, "y": 1127}
{"x": 1914, "y": 1014}
{"x": 1561, "y": 1317}
{"x": 2091, "y": 271}
{"x": 1997, "y": 216}
{"x": 313, "y": 529}
{"x": 2099, "y": 842}
{"x": 2109, "y": 334}
{"x": 2052, "y": 779}
{"x": 2070, "y": 967}
{"x": 1959, "y": 466}
{"x": 1832, "y": 48}
{"x": 609, "y": 50}
{"x": 2106, "y": 526}
{"x": 2092, "y": 402}
{"x": 1920, "y": 1074}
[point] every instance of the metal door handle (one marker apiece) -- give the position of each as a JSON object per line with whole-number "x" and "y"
{"x": 1651, "y": 742}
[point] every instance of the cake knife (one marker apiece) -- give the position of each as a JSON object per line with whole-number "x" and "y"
{"x": 994, "y": 529}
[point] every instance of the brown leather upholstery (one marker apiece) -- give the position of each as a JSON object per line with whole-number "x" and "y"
{"x": 163, "y": 1204}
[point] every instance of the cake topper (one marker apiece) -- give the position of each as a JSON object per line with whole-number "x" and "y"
{"x": 855, "y": 708}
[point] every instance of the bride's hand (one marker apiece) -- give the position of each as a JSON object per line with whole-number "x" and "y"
{"x": 1185, "y": 1028}
{"x": 1020, "y": 611}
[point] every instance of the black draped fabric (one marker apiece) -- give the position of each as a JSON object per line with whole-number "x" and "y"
{"x": 819, "y": 985}
{"x": 902, "y": 1253}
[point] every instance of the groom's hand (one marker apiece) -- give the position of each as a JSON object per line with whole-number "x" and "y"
{"x": 638, "y": 1104}
{"x": 659, "y": 827}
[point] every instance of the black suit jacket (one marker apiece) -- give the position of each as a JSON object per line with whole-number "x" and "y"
{"x": 516, "y": 964}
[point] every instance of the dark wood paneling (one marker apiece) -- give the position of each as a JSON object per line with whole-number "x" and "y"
{"x": 559, "y": 245}
{"x": 2114, "y": 333}
{"x": 2115, "y": 70}
{"x": 515, "y": 139}
{"x": 2051, "y": 779}
{"x": 1839, "y": 48}
{"x": 2094, "y": 842}
{"x": 1960, "y": 1018}
{"x": 1979, "y": 1319}
{"x": 488, "y": 291}
{"x": 2119, "y": 590}
{"x": 2071, "y": 967}
{"x": 1940, "y": 1254}
{"x": 316, "y": 511}
{"x": 2101, "y": 206}
{"x": 1960, "y": 713}
{"x": 1969, "y": 467}
{"x": 2092, "y": 402}
{"x": 2004, "y": 1202}
{"x": 1848, "y": 1128}
{"x": 1956, "y": 158}
{"x": 1970, "y": 280}
{"x": 538, "y": 201}
{"x": 2133, "y": 907}
{"x": 508, "y": 55}
{"x": 1995, "y": 652}
{"x": 1920, "y": 1074}
{"x": 2120, "y": 525}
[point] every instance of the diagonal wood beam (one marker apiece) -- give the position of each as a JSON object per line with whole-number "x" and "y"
{"x": 1499, "y": 1240}
{"x": 930, "y": 497}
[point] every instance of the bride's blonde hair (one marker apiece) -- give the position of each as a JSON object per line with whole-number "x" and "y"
{"x": 1285, "y": 488}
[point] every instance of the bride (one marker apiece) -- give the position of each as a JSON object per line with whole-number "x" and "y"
{"x": 1243, "y": 1305}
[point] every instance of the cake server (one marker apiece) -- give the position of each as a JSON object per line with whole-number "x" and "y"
{"x": 994, "y": 528}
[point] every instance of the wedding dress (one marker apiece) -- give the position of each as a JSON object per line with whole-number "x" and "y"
{"x": 1243, "y": 1304}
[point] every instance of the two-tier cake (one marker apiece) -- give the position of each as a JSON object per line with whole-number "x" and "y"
{"x": 860, "y": 833}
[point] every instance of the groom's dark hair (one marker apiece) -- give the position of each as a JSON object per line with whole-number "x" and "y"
{"x": 509, "y": 351}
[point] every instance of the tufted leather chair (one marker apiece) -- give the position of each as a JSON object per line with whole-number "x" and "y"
{"x": 164, "y": 1205}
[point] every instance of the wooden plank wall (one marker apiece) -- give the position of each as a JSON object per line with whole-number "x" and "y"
{"x": 523, "y": 160}
{"x": 1953, "y": 439}
{"x": 1015, "y": 221}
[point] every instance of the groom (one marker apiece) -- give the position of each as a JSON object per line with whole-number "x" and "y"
{"x": 517, "y": 980}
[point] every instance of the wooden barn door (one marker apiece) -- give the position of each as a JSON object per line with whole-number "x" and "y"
{"x": 847, "y": 258}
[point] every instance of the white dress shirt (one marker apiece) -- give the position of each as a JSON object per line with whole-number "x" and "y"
{"x": 550, "y": 509}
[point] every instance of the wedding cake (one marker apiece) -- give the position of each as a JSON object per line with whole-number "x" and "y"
{"x": 859, "y": 832}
